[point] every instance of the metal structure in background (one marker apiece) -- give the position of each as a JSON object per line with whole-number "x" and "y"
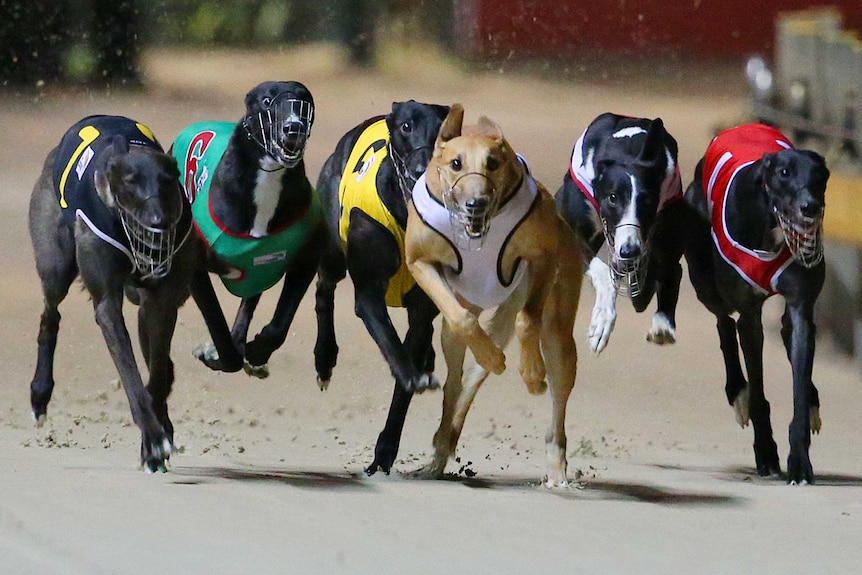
{"x": 815, "y": 89}
{"x": 814, "y": 93}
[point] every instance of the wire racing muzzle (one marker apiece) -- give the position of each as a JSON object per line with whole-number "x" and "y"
{"x": 803, "y": 236}
{"x": 153, "y": 249}
{"x": 406, "y": 177}
{"x": 470, "y": 222}
{"x": 282, "y": 128}
{"x": 627, "y": 273}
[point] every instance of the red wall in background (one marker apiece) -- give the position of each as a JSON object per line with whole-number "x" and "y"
{"x": 717, "y": 28}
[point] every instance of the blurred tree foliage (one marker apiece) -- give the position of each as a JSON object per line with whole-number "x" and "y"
{"x": 98, "y": 42}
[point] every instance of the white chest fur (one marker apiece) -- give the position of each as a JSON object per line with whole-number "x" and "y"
{"x": 267, "y": 190}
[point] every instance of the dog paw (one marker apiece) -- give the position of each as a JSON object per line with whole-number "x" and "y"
{"x": 815, "y": 421}
{"x": 207, "y": 354}
{"x": 258, "y": 371}
{"x": 433, "y": 470}
{"x": 491, "y": 359}
{"x": 740, "y": 408}
{"x": 423, "y": 382}
{"x": 601, "y": 326}
{"x": 662, "y": 331}
{"x": 323, "y": 384}
{"x": 533, "y": 375}
{"x": 155, "y": 455}
{"x": 39, "y": 421}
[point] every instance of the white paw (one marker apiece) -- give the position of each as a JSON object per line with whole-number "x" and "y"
{"x": 740, "y": 408}
{"x": 258, "y": 371}
{"x": 605, "y": 309}
{"x": 323, "y": 384}
{"x": 432, "y": 470}
{"x": 661, "y": 332}
{"x": 206, "y": 351}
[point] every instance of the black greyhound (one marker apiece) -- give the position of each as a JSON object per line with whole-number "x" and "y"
{"x": 623, "y": 187}
{"x": 364, "y": 186}
{"x": 258, "y": 215}
{"x": 108, "y": 206}
{"x": 761, "y": 204}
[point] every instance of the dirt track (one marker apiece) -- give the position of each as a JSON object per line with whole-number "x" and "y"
{"x": 269, "y": 474}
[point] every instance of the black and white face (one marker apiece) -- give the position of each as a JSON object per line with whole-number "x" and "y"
{"x": 279, "y": 116}
{"x": 628, "y": 196}
{"x": 413, "y": 127}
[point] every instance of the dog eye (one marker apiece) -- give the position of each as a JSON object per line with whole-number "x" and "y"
{"x": 456, "y": 164}
{"x": 266, "y": 102}
{"x": 406, "y": 127}
{"x": 612, "y": 199}
{"x": 492, "y": 164}
{"x": 783, "y": 172}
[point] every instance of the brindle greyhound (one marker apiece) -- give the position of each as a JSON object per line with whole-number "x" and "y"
{"x": 482, "y": 233}
{"x": 108, "y": 206}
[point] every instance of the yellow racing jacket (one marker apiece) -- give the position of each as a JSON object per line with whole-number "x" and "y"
{"x": 358, "y": 191}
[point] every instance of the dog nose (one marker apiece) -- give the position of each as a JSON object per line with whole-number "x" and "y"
{"x": 295, "y": 133}
{"x": 475, "y": 205}
{"x": 630, "y": 250}
{"x": 810, "y": 209}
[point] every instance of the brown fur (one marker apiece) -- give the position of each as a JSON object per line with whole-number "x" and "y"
{"x": 542, "y": 314}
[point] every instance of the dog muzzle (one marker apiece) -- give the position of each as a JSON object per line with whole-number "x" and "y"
{"x": 472, "y": 220}
{"x": 406, "y": 177}
{"x": 627, "y": 274}
{"x": 282, "y": 129}
{"x": 803, "y": 236}
{"x": 153, "y": 249}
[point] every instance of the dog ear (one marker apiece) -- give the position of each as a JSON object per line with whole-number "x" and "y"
{"x": 121, "y": 145}
{"x": 451, "y": 127}
{"x": 489, "y": 128}
{"x": 601, "y": 167}
{"x": 653, "y": 143}
{"x": 103, "y": 188}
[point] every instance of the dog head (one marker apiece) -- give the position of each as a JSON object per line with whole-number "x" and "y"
{"x": 473, "y": 172}
{"x": 795, "y": 181}
{"x": 413, "y": 126}
{"x": 143, "y": 186}
{"x": 633, "y": 175}
{"x": 278, "y": 117}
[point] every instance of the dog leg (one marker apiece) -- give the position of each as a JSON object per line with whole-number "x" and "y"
{"x": 222, "y": 355}
{"x": 735, "y": 386}
{"x": 454, "y": 352}
{"x": 799, "y": 469}
{"x": 54, "y": 249}
{"x": 604, "y": 310}
{"x": 663, "y": 329}
{"x": 750, "y": 330}
{"x": 418, "y": 343}
{"x": 561, "y": 357}
{"x": 813, "y": 394}
{"x": 332, "y": 269}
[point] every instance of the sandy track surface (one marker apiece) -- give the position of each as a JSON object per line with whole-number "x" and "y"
{"x": 268, "y": 477}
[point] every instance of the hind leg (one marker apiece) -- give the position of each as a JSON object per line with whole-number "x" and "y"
{"x": 56, "y": 275}
{"x": 332, "y": 270}
{"x": 54, "y": 249}
{"x": 751, "y": 341}
{"x": 418, "y": 342}
{"x": 735, "y": 385}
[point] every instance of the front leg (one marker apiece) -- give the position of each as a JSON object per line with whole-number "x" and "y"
{"x": 463, "y": 322}
{"x": 296, "y": 281}
{"x": 663, "y": 329}
{"x": 155, "y": 443}
{"x": 799, "y": 469}
{"x": 605, "y": 309}
{"x": 223, "y": 354}
{"x": 528, "y": 324}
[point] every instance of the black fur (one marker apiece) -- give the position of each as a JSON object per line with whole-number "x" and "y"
{"x": 645, "y": 157}
{"x": 372, "y": 257}
{"x": 133, "y": 176}
{"x": 797, "y": 178}
{"x": 232, "y": 198}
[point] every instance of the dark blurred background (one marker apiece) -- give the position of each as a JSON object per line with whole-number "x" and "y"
{"x": 99, "y": 42}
